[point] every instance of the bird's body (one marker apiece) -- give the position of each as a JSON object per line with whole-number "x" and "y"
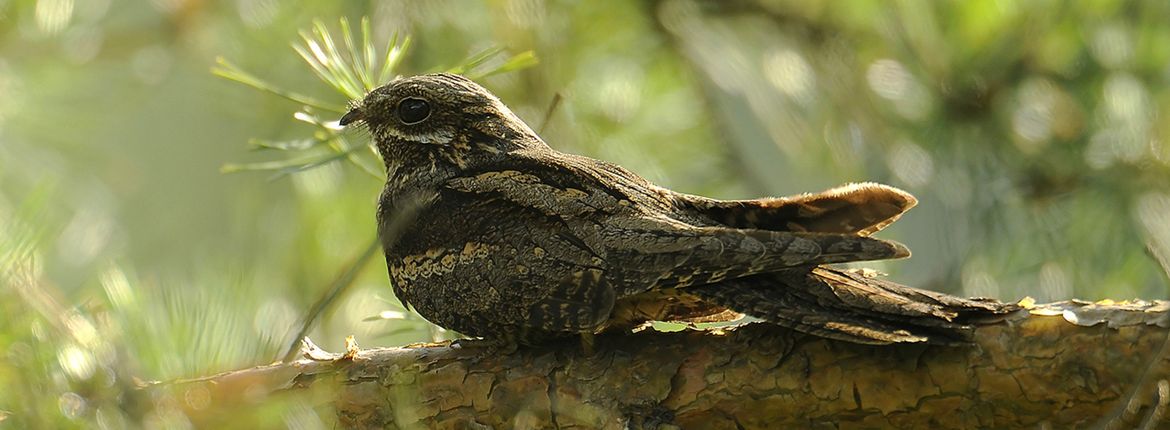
{"x": 490, "y": 232}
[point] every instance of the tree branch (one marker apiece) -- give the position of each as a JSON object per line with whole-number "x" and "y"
{"x": 1068, "y": 364}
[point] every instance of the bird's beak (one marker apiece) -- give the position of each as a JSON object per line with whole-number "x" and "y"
{"x": 353, "y": 115}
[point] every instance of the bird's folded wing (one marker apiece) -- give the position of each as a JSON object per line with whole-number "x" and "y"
{"x": 535, "y": 191}
{"x": 672, "y": 255}
{"x": 563, "y": 185}
{"x": 644, "y": 245}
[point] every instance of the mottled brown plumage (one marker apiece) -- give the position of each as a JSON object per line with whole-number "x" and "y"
{"x": 506, "y": 238}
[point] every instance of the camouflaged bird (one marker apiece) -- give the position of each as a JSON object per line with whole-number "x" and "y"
{"x": 490, "y": 232}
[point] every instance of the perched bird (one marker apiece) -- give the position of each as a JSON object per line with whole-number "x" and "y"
{"x": 490, "y": 232}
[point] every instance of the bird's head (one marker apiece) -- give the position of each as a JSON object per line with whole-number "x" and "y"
{"x": 441, "y": 111}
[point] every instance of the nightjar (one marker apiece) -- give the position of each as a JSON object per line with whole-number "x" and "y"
{"x": 490, "y": 232}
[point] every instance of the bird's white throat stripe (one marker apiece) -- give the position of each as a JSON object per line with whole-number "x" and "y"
{"x": 432, "y": 138}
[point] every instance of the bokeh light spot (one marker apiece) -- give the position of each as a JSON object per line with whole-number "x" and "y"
{"x": 977, "y": 280}
{"x": 257, "y": 13}
{"x": 197, "y": 397}
{"x": 117, "y": 288}
{"x": 1112, "y": 45}
{"x": 1033, "y": 118}
{"x": 888, "y": 79}
{"x": 1153, "y": 213}
{"x": 910, "y": 163}
{"x": 52, "y": 16}
{"x": 620, "y": 94}
{"x": 1125, "y": 98}
{"x": 71, "y": 405}
{"x": 790, "y": 73}
{"x": 1055, "y": 283}
{"x": 77, "y": 363}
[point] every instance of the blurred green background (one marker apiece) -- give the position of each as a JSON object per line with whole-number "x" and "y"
{"x": 1030, "y": 131}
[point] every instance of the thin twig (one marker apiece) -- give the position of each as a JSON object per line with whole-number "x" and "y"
{"x": 340, "y": 284}
{"x": 548, "y": 114}
{"x": 403, "y": 218}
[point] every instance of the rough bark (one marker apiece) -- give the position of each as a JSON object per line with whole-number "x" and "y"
{"x": 1065, "y": 365}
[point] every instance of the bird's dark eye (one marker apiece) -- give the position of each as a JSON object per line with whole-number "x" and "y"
{"x": 413, "y": 110}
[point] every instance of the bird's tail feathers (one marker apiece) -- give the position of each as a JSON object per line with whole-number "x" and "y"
{"x": 855, "y": 307}
{"x": 860, "y": 209}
